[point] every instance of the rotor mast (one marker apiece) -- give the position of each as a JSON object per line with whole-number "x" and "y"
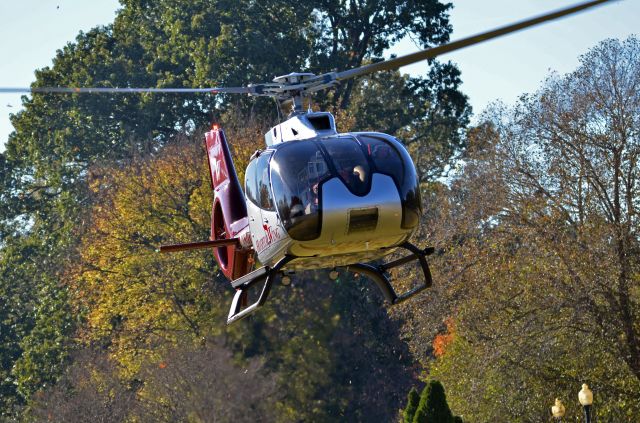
{"x": 295, "y": 87}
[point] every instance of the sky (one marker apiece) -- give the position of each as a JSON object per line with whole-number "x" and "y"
{"x": 32, "y": 30}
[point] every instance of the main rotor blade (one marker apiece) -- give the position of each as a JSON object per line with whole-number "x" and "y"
{"x": 94, "y": 90}
{"x": 465, "y": 42}
{"x": 15, "y": 90}
{"x": 287, "y": 90}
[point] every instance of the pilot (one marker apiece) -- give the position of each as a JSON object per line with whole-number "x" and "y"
{"x": 381, "y": 152}
{"x": 312, "y": 206}
{"x": 353, "y": 175}
{"x": 358, "y": 172}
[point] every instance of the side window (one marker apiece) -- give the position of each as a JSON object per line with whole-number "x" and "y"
{"x": 265, "y": 200}
{"x": 250, "y": 182}
{"x": 298, "y": 170}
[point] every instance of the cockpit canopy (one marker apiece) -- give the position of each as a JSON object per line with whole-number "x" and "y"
{"x": 296, "y": 171}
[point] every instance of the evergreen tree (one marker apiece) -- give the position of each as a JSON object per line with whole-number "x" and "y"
{"x": 412, "y": 406}
{"x": 433, "y": 407}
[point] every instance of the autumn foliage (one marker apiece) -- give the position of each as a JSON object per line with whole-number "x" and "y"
{"x": 533, "y": 213}
{"x": 140, "y": 307}
{"x": 442, "y": 341}
{"x": 544, "y": 263}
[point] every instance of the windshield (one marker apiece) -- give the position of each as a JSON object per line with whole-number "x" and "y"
{"x": 299, "y": 168}
{"x": 350, "y": 163}
{"x": 391, "y": 158}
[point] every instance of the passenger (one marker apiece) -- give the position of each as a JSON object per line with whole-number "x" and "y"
{"x": 297, "y": 209}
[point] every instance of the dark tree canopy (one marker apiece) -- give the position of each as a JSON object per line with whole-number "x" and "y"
{"x": 348, "y": 32}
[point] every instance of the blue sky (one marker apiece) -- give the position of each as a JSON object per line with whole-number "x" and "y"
{"x": 32, "y": 30}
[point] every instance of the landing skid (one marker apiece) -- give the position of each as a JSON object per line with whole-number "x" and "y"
{"x": 379, "y": 276}
{"x": 377, "y": 273}
{"x": 244, "y": 283}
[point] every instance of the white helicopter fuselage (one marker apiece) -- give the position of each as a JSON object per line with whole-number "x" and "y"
{"x": 316, "y": 211}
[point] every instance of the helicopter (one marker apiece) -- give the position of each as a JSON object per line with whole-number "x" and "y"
{"x": 314, "y": 198}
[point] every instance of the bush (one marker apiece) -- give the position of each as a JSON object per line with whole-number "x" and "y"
{"x": 412, "y": 406}
{"x": 430, "y": 407}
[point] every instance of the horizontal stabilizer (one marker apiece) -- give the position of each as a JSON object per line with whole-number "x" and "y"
{"x": 198, "y": 245}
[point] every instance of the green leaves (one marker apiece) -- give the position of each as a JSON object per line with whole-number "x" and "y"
{"x": 45, "y": 348}
{"x": 428, "y": 407}
{"x": 412, "y": 406}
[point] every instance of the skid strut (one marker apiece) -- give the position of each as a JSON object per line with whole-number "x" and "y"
{"x": 378, "y": 273}
{"x": 244, "y": 283}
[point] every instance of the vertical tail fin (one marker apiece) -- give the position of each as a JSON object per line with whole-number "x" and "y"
{"x": 229, "y": 212}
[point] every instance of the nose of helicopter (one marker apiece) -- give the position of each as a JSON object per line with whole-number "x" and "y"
{"x": 345, "y": 192}
{"x": 352, "y": 223}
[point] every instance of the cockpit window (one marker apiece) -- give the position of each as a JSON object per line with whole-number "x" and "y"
{"x": 350, "y": 163}
{"x": 391, "y": 158}
{"x": 250, "y": 187}
{"x": 385, "y": 158}
{"x": 297, "y": 170}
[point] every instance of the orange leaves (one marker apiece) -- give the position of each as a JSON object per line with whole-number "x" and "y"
{"x": 443, "y": 340}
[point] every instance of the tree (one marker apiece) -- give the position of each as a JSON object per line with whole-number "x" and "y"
{"x": 347, "y": 33}
{"x": 550, "y": 193}
{"x": 150, "y": 44}
{"x": 324, "y": 340}
{"x": 59, "y": 138}
{"x": 427, "y": 114}
{"x": 128, "y": 292}
{"x": 35, "y": 321}
{"x": 89, "y": 390}
{"x": 61, "y": 141}
{"x": 587, "y": 125}
{"x": 203, "y": 382}
{"x": 433, "y": 407}
{"x": 412, "y": 405}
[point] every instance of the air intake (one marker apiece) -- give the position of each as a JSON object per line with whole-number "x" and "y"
{"x": 363, "y": 220}
{"x": 320, "y": 122}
